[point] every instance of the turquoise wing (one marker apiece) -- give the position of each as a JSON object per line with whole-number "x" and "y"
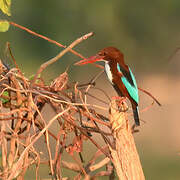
{"x": 132, "y": 89}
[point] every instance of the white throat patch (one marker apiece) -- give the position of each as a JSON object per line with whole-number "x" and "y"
{"x": 108, "y": 72}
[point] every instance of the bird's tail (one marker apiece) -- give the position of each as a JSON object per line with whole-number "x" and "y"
{"x": 136, "y": 115}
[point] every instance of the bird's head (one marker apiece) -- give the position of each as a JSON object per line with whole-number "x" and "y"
{"x": 107, "y": 54}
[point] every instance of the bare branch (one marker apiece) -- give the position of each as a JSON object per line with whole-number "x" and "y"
{"x": 51, "y": 61}
{"x": 124, "y": 155}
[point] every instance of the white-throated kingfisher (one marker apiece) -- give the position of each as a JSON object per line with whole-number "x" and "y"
{"x": 119, "y": 74}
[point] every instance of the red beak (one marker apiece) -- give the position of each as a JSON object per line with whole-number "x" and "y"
{"x": 91, "y": 59}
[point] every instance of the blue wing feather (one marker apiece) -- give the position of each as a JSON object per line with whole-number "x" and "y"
{"x": 132, "y": 89}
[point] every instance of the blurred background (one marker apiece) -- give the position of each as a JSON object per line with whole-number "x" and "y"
{"x": 147, "y": 32}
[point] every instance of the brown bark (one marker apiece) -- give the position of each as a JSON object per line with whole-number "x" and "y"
{"x": 124, "y": 154}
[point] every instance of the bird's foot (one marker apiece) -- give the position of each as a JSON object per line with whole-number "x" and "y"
{"x": 133, "y": 129}
{"x": 122, "y": 106}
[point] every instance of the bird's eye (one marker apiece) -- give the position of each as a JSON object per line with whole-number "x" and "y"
{"x": 102, "y": 53}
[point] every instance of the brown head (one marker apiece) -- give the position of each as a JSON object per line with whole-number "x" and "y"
{"x": 106, "y": 54}
{"x": 111, "y": 53}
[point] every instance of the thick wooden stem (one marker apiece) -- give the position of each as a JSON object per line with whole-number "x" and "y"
{"x": 124, "y": 154}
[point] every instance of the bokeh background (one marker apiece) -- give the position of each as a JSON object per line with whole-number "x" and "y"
{"x": 147, "y": 32}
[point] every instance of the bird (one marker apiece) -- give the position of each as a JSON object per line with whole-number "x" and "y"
{"x": 119, "y": 74}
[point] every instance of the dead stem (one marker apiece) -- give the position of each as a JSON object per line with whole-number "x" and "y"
{"x": 19, "y": 162}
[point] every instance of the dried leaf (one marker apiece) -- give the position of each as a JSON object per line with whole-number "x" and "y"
{"x": 60, "y": 83}
{"x": 76, "y": 146}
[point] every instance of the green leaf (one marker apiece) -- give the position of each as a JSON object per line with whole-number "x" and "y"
{"x": 4, "y": 25}
{"x": 5, "y": 6}
{"x": 31, "y": 77}
{"x": 5, "y": 93}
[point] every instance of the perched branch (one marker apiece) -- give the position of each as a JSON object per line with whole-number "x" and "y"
{"x": 124, "y": 154}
